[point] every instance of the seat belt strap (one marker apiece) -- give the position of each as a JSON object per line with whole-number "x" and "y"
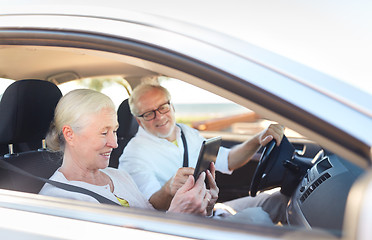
{"x": 185, "y": 151}
{"x": 64, "y": 186}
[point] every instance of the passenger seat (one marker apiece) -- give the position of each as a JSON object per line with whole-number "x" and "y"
{"x": 26, "y": 110}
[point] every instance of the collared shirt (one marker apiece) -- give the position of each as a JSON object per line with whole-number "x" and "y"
{"x": 152, "y": 161}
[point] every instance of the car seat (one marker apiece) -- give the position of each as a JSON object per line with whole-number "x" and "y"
{"x": 27, "y": 108}
{"x": 128, "y": 127}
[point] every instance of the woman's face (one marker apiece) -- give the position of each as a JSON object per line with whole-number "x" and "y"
{"x": 92, "y": 144}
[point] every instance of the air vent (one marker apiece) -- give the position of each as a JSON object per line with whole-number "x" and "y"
{"x": 313, "y": 186}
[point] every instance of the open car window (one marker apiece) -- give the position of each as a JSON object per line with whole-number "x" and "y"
{"x": 213, "y": 116}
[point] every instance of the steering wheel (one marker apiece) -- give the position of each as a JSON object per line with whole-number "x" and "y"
{"x": 261, "y": 167}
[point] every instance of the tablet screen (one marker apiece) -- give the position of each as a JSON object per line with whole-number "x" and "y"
{"x": 208, "y": 154}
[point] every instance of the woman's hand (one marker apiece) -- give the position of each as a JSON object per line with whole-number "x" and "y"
{"x": 191, "y": 198}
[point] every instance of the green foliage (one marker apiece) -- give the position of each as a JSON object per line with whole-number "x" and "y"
{"x": 100, "y": 83}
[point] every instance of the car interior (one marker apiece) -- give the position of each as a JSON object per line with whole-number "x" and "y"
{"x": 27, "y": 108}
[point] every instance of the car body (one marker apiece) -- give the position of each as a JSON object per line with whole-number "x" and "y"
{"x": 299, "y": 64}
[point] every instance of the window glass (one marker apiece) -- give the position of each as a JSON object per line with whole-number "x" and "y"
{"x": 4, "y": 83}
{"x": 206, "y": 111}
{"x": 209, "y": 112}
{"x": 115, "y": 87}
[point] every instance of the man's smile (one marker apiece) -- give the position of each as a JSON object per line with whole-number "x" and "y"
{"x": 162, "y": 124}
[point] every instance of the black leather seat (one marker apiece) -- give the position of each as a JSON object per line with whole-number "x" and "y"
{"x": 128, "y": 127}
{"x": 26, "y": 110}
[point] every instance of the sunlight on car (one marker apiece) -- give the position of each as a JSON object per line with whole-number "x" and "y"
{"x": 30, "y": 223}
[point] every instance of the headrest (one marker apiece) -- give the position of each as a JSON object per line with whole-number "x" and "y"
{"x": 128, "y": 125}
{"x": 26, "y": 110}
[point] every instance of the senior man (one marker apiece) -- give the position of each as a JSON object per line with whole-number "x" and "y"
{"x": 155, "y": 157}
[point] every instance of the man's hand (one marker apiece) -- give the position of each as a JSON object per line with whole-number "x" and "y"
{"x": 179, "y": 179}
{"x": 161, "y": 199}
{"x": 274, "y": 131}
{"x": 191, "y": 198}
{"x": 213, "y": 189}
{"x": 242, "y": 153}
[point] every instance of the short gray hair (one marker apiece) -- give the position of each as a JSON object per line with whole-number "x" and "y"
{"x": 70, "y": 110}
{"x": 140, "y": 90}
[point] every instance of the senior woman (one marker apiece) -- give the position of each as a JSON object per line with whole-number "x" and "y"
{"x": 84, "y": 129}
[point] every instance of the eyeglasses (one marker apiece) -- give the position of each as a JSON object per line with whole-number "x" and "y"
{"x": 150, "y": 115}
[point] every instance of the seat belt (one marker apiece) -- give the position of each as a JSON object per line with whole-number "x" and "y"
{"x": 64, "y": 186}
{"x": 185, "y": 151}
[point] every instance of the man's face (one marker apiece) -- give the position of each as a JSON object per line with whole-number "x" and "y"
{"x": 163, "y": 125}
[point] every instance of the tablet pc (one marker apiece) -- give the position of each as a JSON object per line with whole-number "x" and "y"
{"x": 207, "y": 154}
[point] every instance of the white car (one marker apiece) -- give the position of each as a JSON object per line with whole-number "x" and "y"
{"x": 302, "y": 64}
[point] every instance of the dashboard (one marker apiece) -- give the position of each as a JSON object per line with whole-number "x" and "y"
{"x": 320, "y": 199}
